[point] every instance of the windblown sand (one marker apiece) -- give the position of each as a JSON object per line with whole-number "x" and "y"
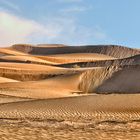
{"x": 68, "y": 88}
{"x": 93, "y": 107}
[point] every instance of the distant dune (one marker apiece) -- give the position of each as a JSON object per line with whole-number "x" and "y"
{"x": 110, "y": 50}
{"x": 56, "y": 81}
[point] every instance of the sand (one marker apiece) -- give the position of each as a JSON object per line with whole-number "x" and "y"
{"x": 68, "y": 87}
{"x": 92, "y": 107}
{"x": 110, "y": 50}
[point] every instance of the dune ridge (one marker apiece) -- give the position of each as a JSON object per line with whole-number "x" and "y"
{"x": 111, "y": 50}
{"x": 134, "y": 60}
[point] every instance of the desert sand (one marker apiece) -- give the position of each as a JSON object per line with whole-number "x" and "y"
{"x": 58, "y": 85}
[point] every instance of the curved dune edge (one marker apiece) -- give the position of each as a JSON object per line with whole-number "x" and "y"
{"x": 7, "y": 80}
{"x": 74, "y": 57}
{"x": 94, "y": 107}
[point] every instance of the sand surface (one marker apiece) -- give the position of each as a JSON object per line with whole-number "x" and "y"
{"x": 76, "y": 89}
{"x": 93, "y": 107}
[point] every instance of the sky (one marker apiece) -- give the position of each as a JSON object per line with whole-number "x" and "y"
{"x": 70, "y": 22}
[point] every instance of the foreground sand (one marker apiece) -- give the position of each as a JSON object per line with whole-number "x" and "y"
{"x": 89, "y": 107}
{"x": 68, "y": 130}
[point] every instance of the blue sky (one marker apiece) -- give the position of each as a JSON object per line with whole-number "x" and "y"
{"x": 72, "y": 22}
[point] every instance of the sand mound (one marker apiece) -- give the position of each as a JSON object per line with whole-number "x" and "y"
{"x": 111, "y": 50}
{"x": 111, "y": 80}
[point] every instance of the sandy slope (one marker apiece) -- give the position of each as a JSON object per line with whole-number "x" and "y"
{"x": 126, "y": 80}
{"x": 75, "y": 57}
{"x": 94, "y": 80}
{"x": 60, "y": 86}
{"x": 25, "y": 59}
{"x": 112, "y": 79}
{"x": 134, "y": 60}
{"x": 9, "y": 51}
{"x": 29, "y": 72}
{"x": 7, "y": 80}
{"x": 35, "y": 67}
{"x": 12, "y": 99}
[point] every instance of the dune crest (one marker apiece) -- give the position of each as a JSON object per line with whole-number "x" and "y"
{"x": 110, "y": 50}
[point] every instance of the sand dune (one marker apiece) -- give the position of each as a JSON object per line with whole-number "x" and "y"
{"x": 126, "y": 80}
{"x": 111, "y": 80}
{"x": 60, "y": 82}
{"x": 110, "y": 50}
{"x": 98, "y": 80}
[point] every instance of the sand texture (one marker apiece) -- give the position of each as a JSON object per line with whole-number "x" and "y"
{"x": 68, "y": 87}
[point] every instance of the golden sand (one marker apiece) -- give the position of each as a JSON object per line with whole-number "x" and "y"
{"x": 73, "y": 89}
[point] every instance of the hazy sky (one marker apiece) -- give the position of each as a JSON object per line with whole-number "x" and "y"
{"x": 73, "y": 22}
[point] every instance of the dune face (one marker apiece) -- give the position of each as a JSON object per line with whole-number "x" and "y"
{"x": 126, "y": 80}
{"x": 112, "y": 79}
{"x": 74, "y": 88}
{"x": 92, "y": 79}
